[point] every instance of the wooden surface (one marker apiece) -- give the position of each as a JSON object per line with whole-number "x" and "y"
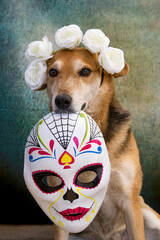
{"x": 28, "y": 232}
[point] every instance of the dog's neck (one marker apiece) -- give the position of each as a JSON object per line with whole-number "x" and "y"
{"x": 99, "y": 106}
{"x": 112, "y": 119}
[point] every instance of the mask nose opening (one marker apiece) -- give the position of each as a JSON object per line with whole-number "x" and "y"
{"x": 70, "y": 195}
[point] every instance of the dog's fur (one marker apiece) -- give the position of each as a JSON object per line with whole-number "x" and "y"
{"x": 123, "y": 214}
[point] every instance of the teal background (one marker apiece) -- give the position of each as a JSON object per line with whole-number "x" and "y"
{"x": 131, "y": 25}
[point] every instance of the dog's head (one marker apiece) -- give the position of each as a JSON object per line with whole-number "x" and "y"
{"x": 74, "y": 78}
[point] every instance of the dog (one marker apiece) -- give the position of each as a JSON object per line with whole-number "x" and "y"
{"x": 75, "y": 82}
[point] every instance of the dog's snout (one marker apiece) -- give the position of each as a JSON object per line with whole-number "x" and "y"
{"x": 63, "y": 101}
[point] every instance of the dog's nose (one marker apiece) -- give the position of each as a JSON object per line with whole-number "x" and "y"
{"x": 63, "y": 101}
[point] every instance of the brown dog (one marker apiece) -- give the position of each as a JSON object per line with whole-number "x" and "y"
{"x": 76, "y": 82}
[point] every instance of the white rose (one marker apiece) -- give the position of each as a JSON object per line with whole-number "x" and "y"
{"x": 95, "y": 40}
{"x": 68, "y": 36}
{"x": 39, "y": 49}
{"x": 112, "y": 60}
{"x": 35, "y": 75}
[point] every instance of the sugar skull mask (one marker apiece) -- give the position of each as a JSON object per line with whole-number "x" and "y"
{"x": 67, "y": 168}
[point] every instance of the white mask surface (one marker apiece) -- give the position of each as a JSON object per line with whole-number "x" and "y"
{"x": 67, "y": 168}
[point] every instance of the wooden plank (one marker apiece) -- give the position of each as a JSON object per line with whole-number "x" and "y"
{"x": 28, "y": 232}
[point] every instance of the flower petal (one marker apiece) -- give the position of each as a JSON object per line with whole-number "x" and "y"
{"x": 95, "y": 40}
{"x": 68, "y": 36}
{"x": 112, "y": 59}
{"x": 35, "y": 75}
{"x": 39, "y": 49}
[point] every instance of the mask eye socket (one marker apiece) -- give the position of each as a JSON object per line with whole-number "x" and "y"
{"x": 52, "y": 181}
{"x": 86, "y": 177}
{"x": 89, "y": 176}
{"x": 53, "y": 72}
{"x": 85, "y": 72}
{"x": 48, "y": 182}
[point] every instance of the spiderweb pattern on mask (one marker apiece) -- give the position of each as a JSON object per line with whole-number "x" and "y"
{"x": 61, "y": 126}
{"x": 94, "y": 129}
{"x": 32, "y": 138}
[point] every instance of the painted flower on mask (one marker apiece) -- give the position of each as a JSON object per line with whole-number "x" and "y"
{"x": 35, "y": 75}
{"x": 68, "y": 36}
{"x": 95, "y": 40}
{"x": 39, "y": 49}
{"x": 112, "y": 59}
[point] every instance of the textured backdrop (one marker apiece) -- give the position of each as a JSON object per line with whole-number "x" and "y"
{"x": 132, "y": 25}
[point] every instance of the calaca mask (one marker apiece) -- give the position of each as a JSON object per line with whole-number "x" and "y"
{"x": 67, "y": 168}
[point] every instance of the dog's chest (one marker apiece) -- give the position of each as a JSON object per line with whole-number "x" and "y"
{"x": 108, "y": 222}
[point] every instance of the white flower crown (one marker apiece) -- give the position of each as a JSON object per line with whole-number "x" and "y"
{"x": 111, "y": 59}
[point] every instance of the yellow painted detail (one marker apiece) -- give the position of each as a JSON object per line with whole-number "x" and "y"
{"x": 89, "y": 217}
{"x": 66, "y": 159}
{"x": 83, "y": 115}
{"x": 59, "y": 223}
{"x": 40, "y": 139}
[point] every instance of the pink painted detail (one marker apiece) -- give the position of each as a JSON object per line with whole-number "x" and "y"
{"x": 44, "y": 153}
{"x": 95, "y": 141}
{"x": 66, "y": 159}
{"x": 40, "y": 151}
{"x": 51, "y": 172}
{"x": 34, "y": 149}
{"x": 85, "y": 167}
{"x": 66, "y": 167}
{"x": 75, "y": 139}
{"x": 74, "y": 214}
{"x": 87, "y": 146}
{"x": 51, "y": 145}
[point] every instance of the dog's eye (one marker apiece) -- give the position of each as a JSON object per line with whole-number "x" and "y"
{"x": 53, "y": 72}
{"x": 85, "y": 72}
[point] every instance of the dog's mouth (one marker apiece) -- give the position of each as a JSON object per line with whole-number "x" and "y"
{"x": 74, "y": 214}
{"x": 83, "y": 106}
{"x": 64, "y": 111}
{"x": 70, "y": 110}
{"x": 63, "y": 102}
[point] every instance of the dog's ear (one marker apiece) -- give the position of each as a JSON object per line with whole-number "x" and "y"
{"x": 123, "y": 72}
{"x": 44, "y": 86}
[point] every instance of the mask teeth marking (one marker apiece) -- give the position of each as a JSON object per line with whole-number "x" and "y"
{"x": 55, "y": 209}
